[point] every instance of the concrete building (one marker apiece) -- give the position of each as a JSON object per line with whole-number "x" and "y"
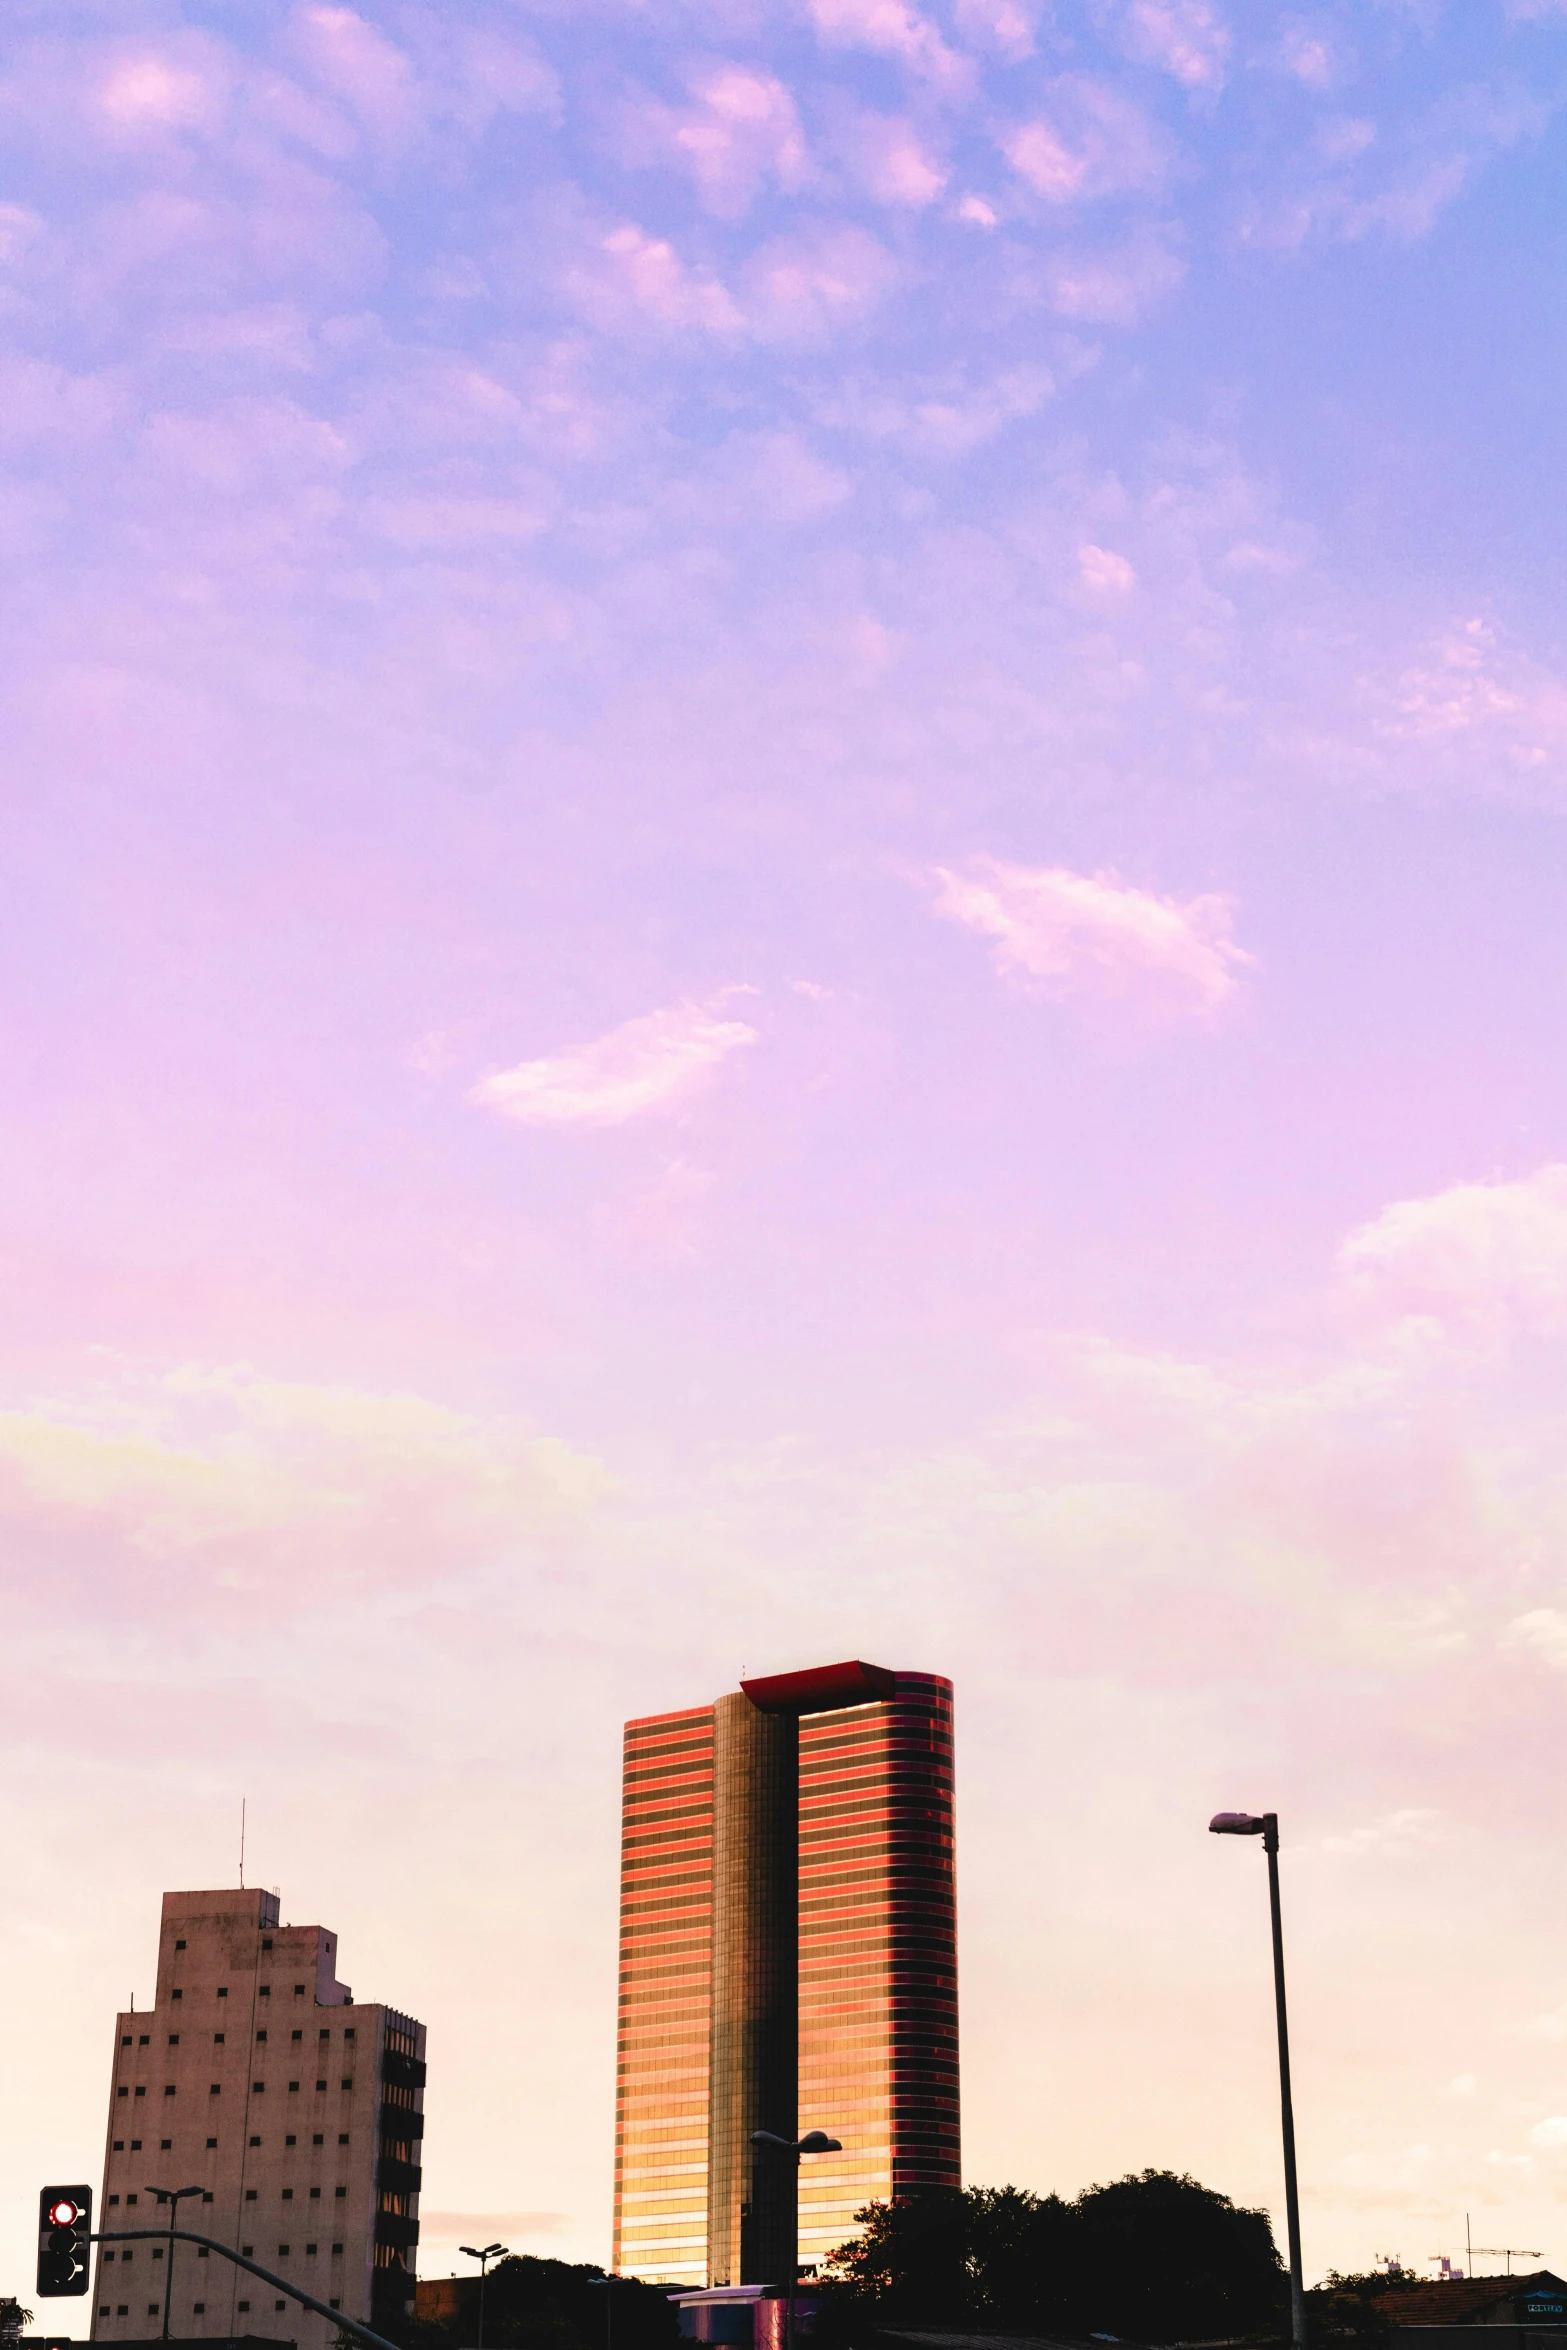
{"x": 788, "y": 1962}
{"x": 298, "y": 2111}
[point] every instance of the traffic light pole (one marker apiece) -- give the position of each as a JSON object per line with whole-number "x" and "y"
{"x": 171, "y": 2236}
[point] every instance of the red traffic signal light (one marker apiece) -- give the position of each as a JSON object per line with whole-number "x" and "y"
{"x": 64, "y": 2237}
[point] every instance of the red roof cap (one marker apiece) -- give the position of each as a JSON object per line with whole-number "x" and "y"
{"x": 822, "y": 1688}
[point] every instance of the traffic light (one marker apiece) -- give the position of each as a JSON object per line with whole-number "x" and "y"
{"x": 64, "y": 2228}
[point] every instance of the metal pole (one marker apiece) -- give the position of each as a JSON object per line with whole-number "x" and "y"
{"x": 1270, "y": 1845}
{"x": 483, "y": 2272}
{"x": 168, "y": 2274}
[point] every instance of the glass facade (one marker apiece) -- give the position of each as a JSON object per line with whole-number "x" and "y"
{"x": 876, "y": 2004}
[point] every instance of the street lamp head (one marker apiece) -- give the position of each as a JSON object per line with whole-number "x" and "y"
{"x": 469, "y": 2249}
{"x": 771, "y": 2138}
{"x": 818, "y": 2142}
{"x": 496, "y": 2252}
{"x": 1236, "y": 1823}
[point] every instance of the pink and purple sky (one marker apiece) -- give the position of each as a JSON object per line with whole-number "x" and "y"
{"x": 784, "y": 878}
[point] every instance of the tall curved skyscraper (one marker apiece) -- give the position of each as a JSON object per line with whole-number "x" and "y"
{"x": 788, "y": 1963}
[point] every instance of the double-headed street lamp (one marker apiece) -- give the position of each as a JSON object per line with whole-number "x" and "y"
{"x": 1243, "y": 1823}
{"x": 490, "y": 2252}
{"x": 814, "y": 2142}
{"x": 173, "y": 2197}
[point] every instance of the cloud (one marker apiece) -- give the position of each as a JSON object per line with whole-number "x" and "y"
{"x": 1543, "y": 1629}
{"x": 891, "y": 160}
{"x": 632, "y": 279}
{"x": 253, "y": 1480}
{"x": 1477, "y": 1253}
{"x": 1093, "y": 934}
{"x": 891, "y": 29}
{"x": 803, "y": 288}
{"x": 740, "y": 131}
{"x": 649, "y": 1067}
{"x": 1550, "y": 2133}
{"x": 1104, "y": 573}
{"x": 1188, "y": 38}
{"x": 1089, "y": 141}
{"x": 1399, "y": 1831}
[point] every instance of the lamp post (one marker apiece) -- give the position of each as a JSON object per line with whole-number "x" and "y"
{"x": 490, "y": 2252}
{"x": 173, "y": 2197}
{"x": 609, "y": 2284}
{"x": 814, "y": 2142}
{"x": 1241, "y": 1823}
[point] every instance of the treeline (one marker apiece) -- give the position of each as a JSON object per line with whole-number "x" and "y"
{"x": 1150, "y": 2258}
{"x": 550, "y": 2305}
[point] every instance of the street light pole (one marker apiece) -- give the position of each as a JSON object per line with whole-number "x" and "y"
{"x": 173, "y": 2197}
{"x": 814, "y": 2142}
{"x": 1266, "y": 1825}
{"x": 490, "y": 2252}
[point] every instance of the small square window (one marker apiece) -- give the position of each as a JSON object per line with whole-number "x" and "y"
{"x": 325, "y": 2032}
{"x": 284, "y": 2251}
{"x": 135, "y": 2149}
{"x": 296, "y": 2035}
{"x": 342, "y": 2137}
{"x": 244, "y": 2305}
{"x": 166, "y": 2145}
{"x": 315, "y": 2192}
{"x": 250, "y": 2194}
{"x": 280, "y": 2304}
{"x": 122, "y": 2091}
{"x": 122, "y": 2310}
{"x": 335, "y": 2303}
{"x": 299, "y": 1990}
{"x": 319, "y": 2085}
{"x": 142, "y": 2091}
{"x": 267, "y": 1943}
{"x": 200, "y": 2307}
{"x": 179, "y": 1945}
{"x": 174, "y": 2039}
{"x": 336, "y": 2251}
{"x": 340, "y": 2192}
{"x": 126, "y": 2041}
{"x": 168, "y": 2088}
{"x": 142, "y": 2039}
{"x": 310, "y": 2251}
{"x": 249, "y": 2251}
{"x": 255, "y": 2141}
{"x": 293, "y": 2088}
{"x": 207, "y": 2198}
{"x": 103, "y": 2309}
{"x": 348, "y": 2032}
{"x": 288, "y": 2194}
{"x": 176, "y": 1994}
{"x": 201, "y": 2249}
{"x": 216, "y": 2089}
{"x": 258, "y": 2088}
{"x": 291, "y": 2140}
{"x": 152, "y": 2309}
{"x": 157, "y": 2252}
{"x": 318, "y": 2139}
{"x": 266, "y": 1990}
{"x": 261, "y": 2035}
{"x": 348, "y": 2084}
{"x": 114, "y": 2199}
{"x": 119, "y": 2145}
{"x": 130, "y": 2199}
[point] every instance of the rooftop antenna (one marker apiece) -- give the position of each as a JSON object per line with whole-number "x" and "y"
{"x": 242, "y": 1844}
{"x": 1508, "y": 2252}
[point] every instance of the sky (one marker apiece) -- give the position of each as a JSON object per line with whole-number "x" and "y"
{"x": 784, "y": 879}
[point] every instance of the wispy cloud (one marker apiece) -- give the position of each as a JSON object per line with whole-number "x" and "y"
{"x": 648, "y": 1067}
{"x": 1094, "y": 934}
{"x": 1188, "y": 38}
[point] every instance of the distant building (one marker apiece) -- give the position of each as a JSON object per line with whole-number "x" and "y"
{"x": 788, "y": 1962}
{"x": 298, "y": 2112}
{"x": 1423, "y": 2317}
